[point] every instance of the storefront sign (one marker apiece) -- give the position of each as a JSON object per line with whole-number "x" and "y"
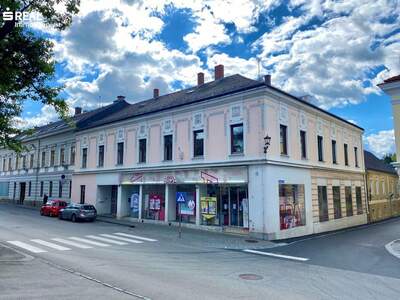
{"x": 208, "y": 178}
{"x": 221, "y": 175}
{"x": 170, "y": 179}
{"x": 208, "y": 207}
{"x": 136, "y": 178}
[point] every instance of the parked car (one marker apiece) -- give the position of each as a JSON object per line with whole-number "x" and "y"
{"x": 78, "y": 212}
{"x": 52, "y": 208}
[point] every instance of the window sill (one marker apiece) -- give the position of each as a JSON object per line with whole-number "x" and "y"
{"x": 141, "y": 163}
{"x": 304, "y": 158}
{"x": 236, "y": 155}
{"x": 285, "y": 155}
{"x": 199, "y": 157}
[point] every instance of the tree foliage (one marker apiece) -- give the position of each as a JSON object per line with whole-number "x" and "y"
{"x": 389, "y": 158}
{"x": 27, "y": 65}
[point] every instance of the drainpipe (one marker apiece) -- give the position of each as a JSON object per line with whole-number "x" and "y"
{"x": 367, "y": 196}
{"x": 37, "y": 173}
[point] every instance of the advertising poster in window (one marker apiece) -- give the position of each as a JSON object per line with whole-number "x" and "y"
{"x": 208, "y": 207}
{"x": 291, "y": 205}
{"x": 155, "y": 202}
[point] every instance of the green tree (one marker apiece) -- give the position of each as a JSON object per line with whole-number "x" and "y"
{"x": 389, "y": 158}
{"x": 27, "y": 65}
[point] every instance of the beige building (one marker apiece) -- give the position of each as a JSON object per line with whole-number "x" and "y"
{"x": 382, "y": 182}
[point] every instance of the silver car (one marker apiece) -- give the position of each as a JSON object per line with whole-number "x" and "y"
{"x": 78, "y": 212}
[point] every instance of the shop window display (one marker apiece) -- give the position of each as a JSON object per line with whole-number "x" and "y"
{"x": 291, "y": 205}
{"x": 323, "y": 204}
{"x": 154, "y": 202}
{"x": 225, "y": 206}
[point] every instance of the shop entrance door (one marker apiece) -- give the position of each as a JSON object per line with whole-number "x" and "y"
{"x": 22, "y": 187}
{"x": 114, "y": 196}
{"x": 233, "y": 206}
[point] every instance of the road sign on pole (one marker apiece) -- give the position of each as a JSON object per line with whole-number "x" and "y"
{"x": 180, "y": 198}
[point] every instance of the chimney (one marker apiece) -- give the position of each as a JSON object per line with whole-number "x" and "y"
{"x": 156, "y": 93}
{"x": 219, "y": 72}
{"x": 78, "y": 110}
{"x": 267, "y": 79}
{"x": 120, "y": 98}
{"x": 200, "y": 78}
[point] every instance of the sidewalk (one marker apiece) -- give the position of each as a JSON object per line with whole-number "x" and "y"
{"x": 194, "y": 237}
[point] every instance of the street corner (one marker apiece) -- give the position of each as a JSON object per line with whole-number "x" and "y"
{"x": 394, "y": 248}
{"x": 10, "y": 255}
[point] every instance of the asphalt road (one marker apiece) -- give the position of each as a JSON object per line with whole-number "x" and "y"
{"x": 201, "y": 265}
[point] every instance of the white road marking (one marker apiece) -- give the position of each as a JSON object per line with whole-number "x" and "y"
{"x": 276, "y": 255}
{"x": 71, "y": 243}
{"x": 103, "y": 239}
{"x": 27, "y": 246}
{"x": 51, "y": 245}
{"x": 389, "y": 248}
{"x": 136, "y": 237}
{"x": 88, "y": 241}
{"x": 121, "y": 238}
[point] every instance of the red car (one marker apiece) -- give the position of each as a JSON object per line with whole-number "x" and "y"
{"x": 52, "y": 208}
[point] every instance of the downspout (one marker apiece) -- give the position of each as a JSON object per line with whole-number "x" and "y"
{"x": 37, "y": 172}
{"x": 367, "y": 195}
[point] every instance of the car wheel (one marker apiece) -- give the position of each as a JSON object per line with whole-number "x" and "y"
{"x": 59, "y": 216}
{"x": 41, "y": 213}
{"x": 50, "y": 214}
{"x": 73, "y": 218}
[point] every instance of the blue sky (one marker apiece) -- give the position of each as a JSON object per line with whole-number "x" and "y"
{"x": 336, "y": 52}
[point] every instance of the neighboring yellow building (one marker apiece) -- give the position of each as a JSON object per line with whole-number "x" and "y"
{"x": 382, "y": 185}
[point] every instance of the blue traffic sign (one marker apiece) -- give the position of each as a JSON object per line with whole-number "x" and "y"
{"x": 181, "y": 197}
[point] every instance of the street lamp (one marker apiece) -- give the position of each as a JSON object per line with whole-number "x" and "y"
{"x": 267, "y": 142}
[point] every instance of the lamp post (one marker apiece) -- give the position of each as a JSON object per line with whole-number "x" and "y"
{"x": 267, "y": 143}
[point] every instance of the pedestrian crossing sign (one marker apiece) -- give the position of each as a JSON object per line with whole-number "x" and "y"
{"x": 180, "y": 197}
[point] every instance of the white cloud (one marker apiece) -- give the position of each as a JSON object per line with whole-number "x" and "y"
{"x": 332, "y": 61}
{"x": 381, "y": 143}
{"x": 47, "y": 114}
{"x": 112, "y": 48}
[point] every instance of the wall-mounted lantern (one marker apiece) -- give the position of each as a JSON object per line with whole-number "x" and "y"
{"x": 267, "y": 142}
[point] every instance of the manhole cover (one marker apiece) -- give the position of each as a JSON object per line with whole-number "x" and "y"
{"x": 250, "y": 277}
{"x": 251, "y": 241}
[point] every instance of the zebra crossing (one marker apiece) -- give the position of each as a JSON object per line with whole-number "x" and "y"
{"x": 83, "y": 242}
